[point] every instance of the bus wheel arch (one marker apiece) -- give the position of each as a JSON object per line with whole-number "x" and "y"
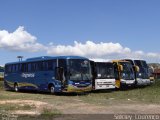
{"x": 16, "y": 89}
{"x": 51, "y": 88}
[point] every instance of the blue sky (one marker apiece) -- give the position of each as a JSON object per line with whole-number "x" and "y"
{"x": 133, "y": 24}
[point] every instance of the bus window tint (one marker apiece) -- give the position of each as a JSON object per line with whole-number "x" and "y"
{"x": 79, "y": 69}
{"x": 127, "y": 72}
{"x": 105, "y": 70}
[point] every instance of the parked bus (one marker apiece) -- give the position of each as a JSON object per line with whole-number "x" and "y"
{"x": 142, "y": 76}
{"x": 1, "y": 73}
{"x": 124, "y": 74}
{"x": 52, "y": 74}
{"x": 104, "y": 77}
{"x": 146, "y": 67}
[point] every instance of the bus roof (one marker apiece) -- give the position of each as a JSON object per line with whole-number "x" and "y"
{"x": 118, "y": 61}
{"x": 135, "y": 59}
{"x": 105, "y": 62}
{"x": 34, "y": 59}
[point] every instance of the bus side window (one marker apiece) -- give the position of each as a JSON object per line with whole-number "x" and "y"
{"x": 54, "y": 64}
{"x": 40, "y": 66}
{"x": 51, "y": 64}
{"x": 11, "y": 68}
{"x": 16, "y": 68}
{"x": 20, "y": 67}
{"x": 62, "y": 63}
{"x": 29, "y": 67}
{"x": 24, "y": 67}
{"x": 7, "y": 69}
{"x": 32, "y": 67}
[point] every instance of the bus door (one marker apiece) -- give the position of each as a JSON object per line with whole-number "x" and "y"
{"x": 62, "y": 65}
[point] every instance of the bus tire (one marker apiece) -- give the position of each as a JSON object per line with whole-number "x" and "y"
{"x": 16, "y": 87}
{"x": 52, "y": 89}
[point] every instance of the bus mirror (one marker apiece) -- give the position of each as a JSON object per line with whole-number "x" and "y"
{"x": 136, "y": 68}
{"x": 59, "y": 73}
{"x": 120, "y": 67}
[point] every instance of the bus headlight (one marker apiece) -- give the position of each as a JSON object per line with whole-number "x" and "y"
{"x": 140, "y": 74}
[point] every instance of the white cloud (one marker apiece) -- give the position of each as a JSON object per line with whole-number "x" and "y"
{"x": 101, "y": 51}
{"x": 89, "y": 48}
{"x": 19, "y": 40}
{"x": 154, "y": 55}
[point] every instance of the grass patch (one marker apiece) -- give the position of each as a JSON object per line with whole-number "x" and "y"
{"x": 11, "y": 107}
{"x": 50, "y": 112}
{"x": 148, "y": 94}
{"x": 47, "y": 114}
{"x": 145, "y": 95}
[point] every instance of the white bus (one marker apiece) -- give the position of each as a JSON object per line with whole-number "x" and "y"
{"x": 104, "y": 76}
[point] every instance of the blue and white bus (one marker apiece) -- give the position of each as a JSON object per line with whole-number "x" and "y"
{"x": 53, "y": 74}
{"x": 142, "y": 75}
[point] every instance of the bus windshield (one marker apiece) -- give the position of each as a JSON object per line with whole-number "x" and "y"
{"x": 142, "y": 73}
{"x": 142, "y": 65}
{"x": 79, "y": 69}
{"x": 105, "y": 70}
{"x": 127, "y": 73}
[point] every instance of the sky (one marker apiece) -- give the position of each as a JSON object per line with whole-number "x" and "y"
{"x": 96, "y": 29}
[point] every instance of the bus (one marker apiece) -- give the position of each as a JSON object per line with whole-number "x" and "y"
{"x": 1, "y": 73}
{"x": 50, "y": 74}
{"x": 124, "y": 74}
{"x": 142, "y": 75}
{"x": 104, "y": 77}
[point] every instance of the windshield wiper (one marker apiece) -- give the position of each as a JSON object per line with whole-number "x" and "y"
{"x": 85, "y": 76}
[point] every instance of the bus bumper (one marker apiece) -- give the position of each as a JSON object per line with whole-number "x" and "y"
{"x": 127, "y": 83}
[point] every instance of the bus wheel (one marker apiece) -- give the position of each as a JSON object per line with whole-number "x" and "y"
{"x": 16, "y": 87}
{"x": 52, "y": 89}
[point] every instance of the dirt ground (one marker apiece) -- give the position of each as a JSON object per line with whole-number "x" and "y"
{"x": 80, "y": 107}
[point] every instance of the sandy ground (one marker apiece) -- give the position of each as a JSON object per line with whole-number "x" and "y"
{"x": 38, "y": 106}
{"x": 79, "y": 107}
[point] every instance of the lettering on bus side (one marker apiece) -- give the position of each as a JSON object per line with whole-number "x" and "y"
{"x": 28, "y": 75}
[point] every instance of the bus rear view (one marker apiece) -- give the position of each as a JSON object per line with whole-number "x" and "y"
{"x": 104, "y": 76}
